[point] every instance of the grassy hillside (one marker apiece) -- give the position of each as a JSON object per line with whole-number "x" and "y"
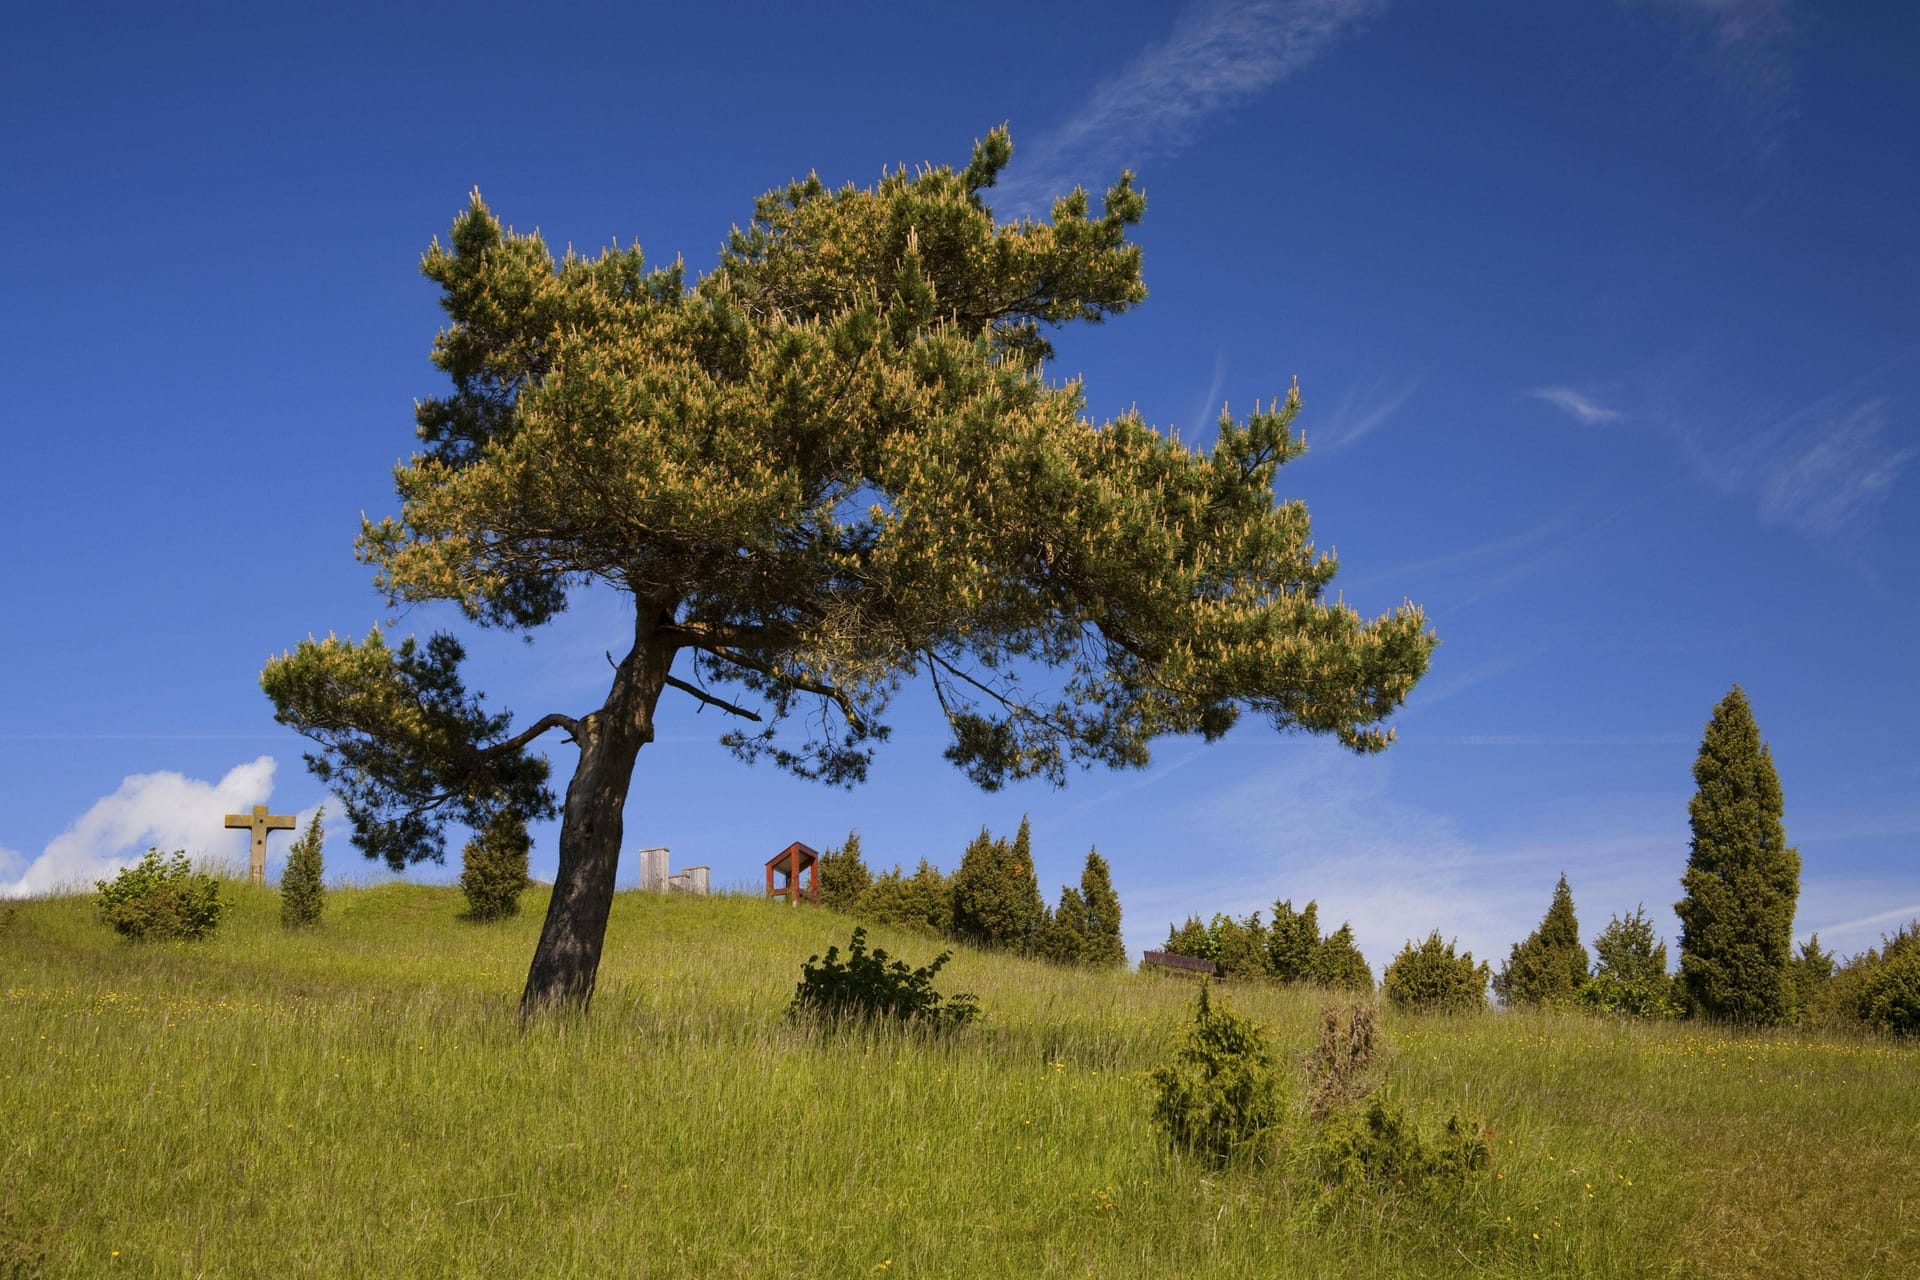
{"x": 358, "y": 1102}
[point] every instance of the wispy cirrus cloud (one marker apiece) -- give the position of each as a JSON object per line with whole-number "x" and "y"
{"x": 1823, "y": 471}
{"x": 1219, "y": 54}
{"x": 1749, "y": 49}
{"x": 1577, "y": 405}
{"x": 1360, "y": 412}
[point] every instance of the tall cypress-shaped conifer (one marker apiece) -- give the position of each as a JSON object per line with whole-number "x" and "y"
{"x": 302, "y": 893}
{"x": 1103, "y": 943}
{"x": 1742, "y": 880}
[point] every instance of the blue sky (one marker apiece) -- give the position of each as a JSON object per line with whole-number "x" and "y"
{"x": 1603, "y": 312}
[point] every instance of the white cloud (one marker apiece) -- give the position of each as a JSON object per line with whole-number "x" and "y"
{"x": 1219, "y": 54}
{"x": 165, "y": 810}
{"x": 1575, "y": 405}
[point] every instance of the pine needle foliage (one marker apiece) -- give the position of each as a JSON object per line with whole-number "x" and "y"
{"x": 1742, "y": 879}
{"x": 303, "y": 893}
{"x": 831, "y": 468}
{"x": 1549, "y": 966}
{"x": 493, "y": 869}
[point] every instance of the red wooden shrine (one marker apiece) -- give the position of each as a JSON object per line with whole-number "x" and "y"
{"x": 788, "y": 865}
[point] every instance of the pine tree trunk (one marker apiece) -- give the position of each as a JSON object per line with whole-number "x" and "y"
{"x": 567, "y": 960}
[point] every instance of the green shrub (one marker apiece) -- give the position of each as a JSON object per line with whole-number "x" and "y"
{"x": 1219, "y": 1097}
{"x": 868, "y": 987}
{"x": 1297, "y": 953}
{"x": 1190, "y": 939}
{"x": 1630, "y": 976}
{"x": 923, "y": 900}
{"x": 1892, "y": 1002}
{"x": 493, "y": 867}
{"x": 1337, "y": 962}
{"x": 159, "y": 898}
{"x": 844, "y": 875}
{"x": 1431, "y": 978}
{"x": 302, "y": 891}
{"x": 1239, "y": 946}
{"x": 1378, "y": 1147}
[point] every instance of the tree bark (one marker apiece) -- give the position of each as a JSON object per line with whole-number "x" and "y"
{"x": 567, "y": 960}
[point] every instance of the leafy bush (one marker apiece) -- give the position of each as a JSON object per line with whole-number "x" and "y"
{"x": 302, "y": 893}
{"x": 1431, "y": 978}
{"x": 1219, "y": 1096}
{"x": 160, "y": 898}
{"x": 1378, "y": 1146}
{"x": 868, "y": 986}
{"x": 493, "y": 867}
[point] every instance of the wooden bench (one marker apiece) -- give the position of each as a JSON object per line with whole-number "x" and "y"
{"x": 1182, "y": 964}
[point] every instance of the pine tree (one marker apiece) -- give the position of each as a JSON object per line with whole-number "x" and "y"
{"x": 1104, "y": 944}
{"x": 996, "y": 895}
{"x": 493, "y": 867}
{"x": 302, "y": 891}
{"x": 836, "y": 459}
{"x": 1742, "y": 880}
{"x": 844, "y": 875}
{"x": 1550, "y": 965}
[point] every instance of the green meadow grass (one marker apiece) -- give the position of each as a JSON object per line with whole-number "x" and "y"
{"x": 358, "y": 1101}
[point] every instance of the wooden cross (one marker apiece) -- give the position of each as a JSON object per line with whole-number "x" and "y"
{"x": 261, "y": 822}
